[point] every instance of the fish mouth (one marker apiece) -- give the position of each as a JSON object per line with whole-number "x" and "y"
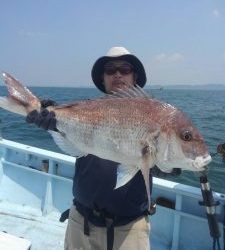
{"x": 201, "y": 162}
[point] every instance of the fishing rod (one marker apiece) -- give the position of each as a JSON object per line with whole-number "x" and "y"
{"x": 210, "y": 204}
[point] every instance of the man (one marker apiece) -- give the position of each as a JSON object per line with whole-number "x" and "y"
{"x": 103, "y": 217}
{"x": 123, "y": 210}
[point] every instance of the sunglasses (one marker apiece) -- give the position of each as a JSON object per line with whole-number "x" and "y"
{"x": 124, "y": 69}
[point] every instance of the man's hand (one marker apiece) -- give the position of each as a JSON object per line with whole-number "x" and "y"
{"x": 44, "y": 119}
{"x": 47, "y": 102}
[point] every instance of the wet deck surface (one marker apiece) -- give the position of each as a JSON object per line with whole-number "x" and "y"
{"x": 44, "y": 232}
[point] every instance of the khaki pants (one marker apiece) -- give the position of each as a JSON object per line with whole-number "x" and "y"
{"x": 133, "y": 236}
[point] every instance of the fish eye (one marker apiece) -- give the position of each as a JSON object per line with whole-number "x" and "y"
{"x": 186, "y": 135}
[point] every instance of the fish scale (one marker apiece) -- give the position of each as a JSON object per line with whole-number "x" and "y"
{"x": 111, "y": 124}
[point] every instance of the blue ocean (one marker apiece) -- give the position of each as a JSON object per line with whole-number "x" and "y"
{"x": 205, "y": 107}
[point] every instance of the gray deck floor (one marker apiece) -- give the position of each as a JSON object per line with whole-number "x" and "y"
{"x": 45, "y": 233}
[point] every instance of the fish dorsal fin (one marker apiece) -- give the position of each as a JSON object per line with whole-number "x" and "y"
{"x": 128, "y": 92}
{"x": 64, "y": 144}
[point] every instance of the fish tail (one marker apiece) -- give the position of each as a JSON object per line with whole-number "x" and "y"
{"x": 20, "y": 99}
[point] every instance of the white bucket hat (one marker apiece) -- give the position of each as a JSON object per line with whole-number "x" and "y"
{"x": 117, "y": 53}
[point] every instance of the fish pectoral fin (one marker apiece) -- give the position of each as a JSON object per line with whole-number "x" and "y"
{"x": 146, "y": 163}
{"x": 64, "y": 144}
{"x": 125, "y": 174}
{"x": 145, "y": 172}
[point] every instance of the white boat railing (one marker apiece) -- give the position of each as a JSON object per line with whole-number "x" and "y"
{"x": 39, "y": 165}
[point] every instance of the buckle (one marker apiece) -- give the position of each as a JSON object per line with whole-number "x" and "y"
{"x": 152, "y": 208}
{"x": 96, "y": 213}
{"x": 108, "y": 222}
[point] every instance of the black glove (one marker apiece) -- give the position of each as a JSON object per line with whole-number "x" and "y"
{"x": 44, "y": 119}
{"x": 47, "y": 102}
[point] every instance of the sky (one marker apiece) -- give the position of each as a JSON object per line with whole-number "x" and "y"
{"x": 56, "y": 42}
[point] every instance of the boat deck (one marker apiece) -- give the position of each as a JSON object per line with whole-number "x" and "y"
{"x": 44, "y": 232}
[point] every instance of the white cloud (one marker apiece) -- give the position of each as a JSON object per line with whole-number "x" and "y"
{"x": 175, "y": 57}
{"x": 160, "y": 57}
{"x": 216, "y": 13}
{"x": 168, "y": 58}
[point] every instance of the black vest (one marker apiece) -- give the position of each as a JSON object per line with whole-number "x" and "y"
{"x": 94, "y": 183}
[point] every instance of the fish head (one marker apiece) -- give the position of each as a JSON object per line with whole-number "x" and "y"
{"x": 181, "y": 145}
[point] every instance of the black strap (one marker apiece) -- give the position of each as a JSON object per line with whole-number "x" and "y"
{"x": 64, "y": 215}
{"x": 86, "y": 226}
{"x": 110, "y": 233}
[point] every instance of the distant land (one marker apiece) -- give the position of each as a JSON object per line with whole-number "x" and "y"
{"x": 188, "y": 86}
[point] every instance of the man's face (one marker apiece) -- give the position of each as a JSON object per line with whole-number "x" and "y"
{"x": 118, "y": 74}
